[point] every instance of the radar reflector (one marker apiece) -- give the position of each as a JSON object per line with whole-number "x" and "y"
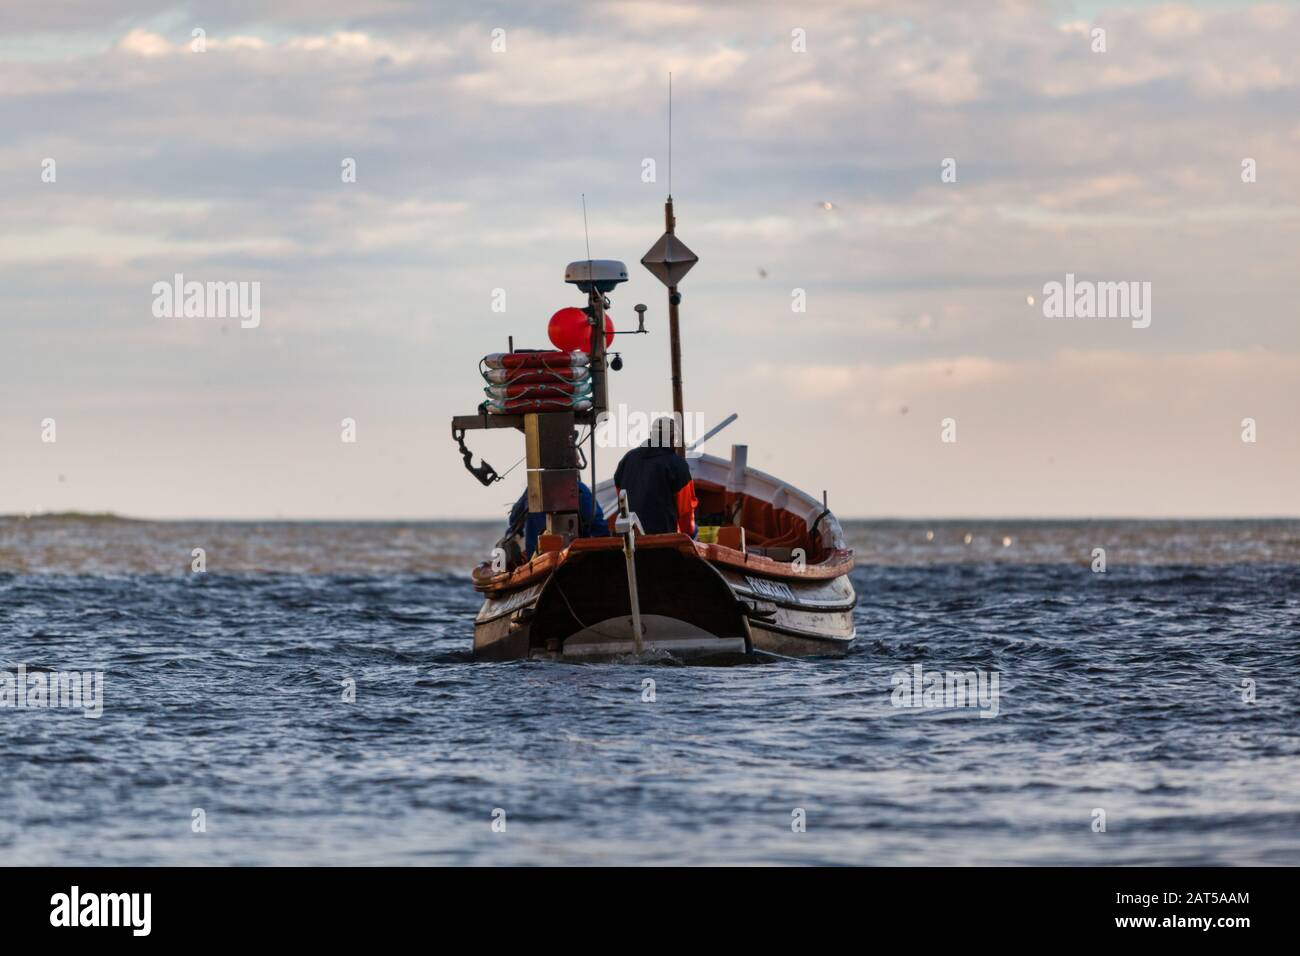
{"x": 669, "y": 259}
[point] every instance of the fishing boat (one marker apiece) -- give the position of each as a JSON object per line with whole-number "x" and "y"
{"x": 767, "y": 574}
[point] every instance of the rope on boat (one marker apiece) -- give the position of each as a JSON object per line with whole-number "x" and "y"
{"x": 581, "y": 624}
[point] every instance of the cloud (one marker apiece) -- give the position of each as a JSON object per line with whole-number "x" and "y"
{"x": 1100, "y": 373}
{"x": 1084, "y": 432}
{"x": 144, "y": 43}
{"x": 471, "y": 166}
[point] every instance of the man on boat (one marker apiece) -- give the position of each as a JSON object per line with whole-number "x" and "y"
{"x": 591, "y": 523}
{"x": 658, "y": 482}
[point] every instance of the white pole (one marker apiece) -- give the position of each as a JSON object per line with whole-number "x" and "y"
{"x": 629, "y": 525}
{"x": 712, "y": 431}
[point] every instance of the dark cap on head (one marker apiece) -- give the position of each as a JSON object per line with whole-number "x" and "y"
{"x": 663, "y": 433}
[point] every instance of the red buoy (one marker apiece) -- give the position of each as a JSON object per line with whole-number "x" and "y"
{"x": 570, "y": 330}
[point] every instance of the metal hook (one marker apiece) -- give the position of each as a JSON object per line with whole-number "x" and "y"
{"x": 484, "y": 472}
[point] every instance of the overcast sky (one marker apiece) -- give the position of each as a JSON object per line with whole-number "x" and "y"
{"x": 376, "y": 296}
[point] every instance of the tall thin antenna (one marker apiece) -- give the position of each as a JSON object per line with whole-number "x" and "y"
{"x": 585, "y": 234}
{"x": 670, "y": 133}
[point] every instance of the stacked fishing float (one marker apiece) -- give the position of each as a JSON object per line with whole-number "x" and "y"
{"x": 519, "y": 382}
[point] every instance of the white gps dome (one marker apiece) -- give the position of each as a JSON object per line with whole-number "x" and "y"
{"x": 603, "y": 274}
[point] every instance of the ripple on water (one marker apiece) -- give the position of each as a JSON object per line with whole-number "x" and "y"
{"x": 226, "y": 692}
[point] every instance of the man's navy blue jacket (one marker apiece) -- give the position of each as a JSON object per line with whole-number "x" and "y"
{"x": 653, "y": 476}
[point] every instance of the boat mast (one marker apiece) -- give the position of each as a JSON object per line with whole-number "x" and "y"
{"x": 670, "y": 259}
{"x": 675, "y": 340}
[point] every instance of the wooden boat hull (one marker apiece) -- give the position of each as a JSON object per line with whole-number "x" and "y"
{"x": 794, "y": 618}
{"x": 692, "y": 609}
{"x": 698, "y": 601}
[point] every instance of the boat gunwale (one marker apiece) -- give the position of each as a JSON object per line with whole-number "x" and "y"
{"x": 848, "y": 604}
{"x": 837, "y": 563}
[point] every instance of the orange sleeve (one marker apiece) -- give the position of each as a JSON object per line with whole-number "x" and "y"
{"x": 686, "y": 505}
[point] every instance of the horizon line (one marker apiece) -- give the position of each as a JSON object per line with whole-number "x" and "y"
{"x": 281, "y": 519}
